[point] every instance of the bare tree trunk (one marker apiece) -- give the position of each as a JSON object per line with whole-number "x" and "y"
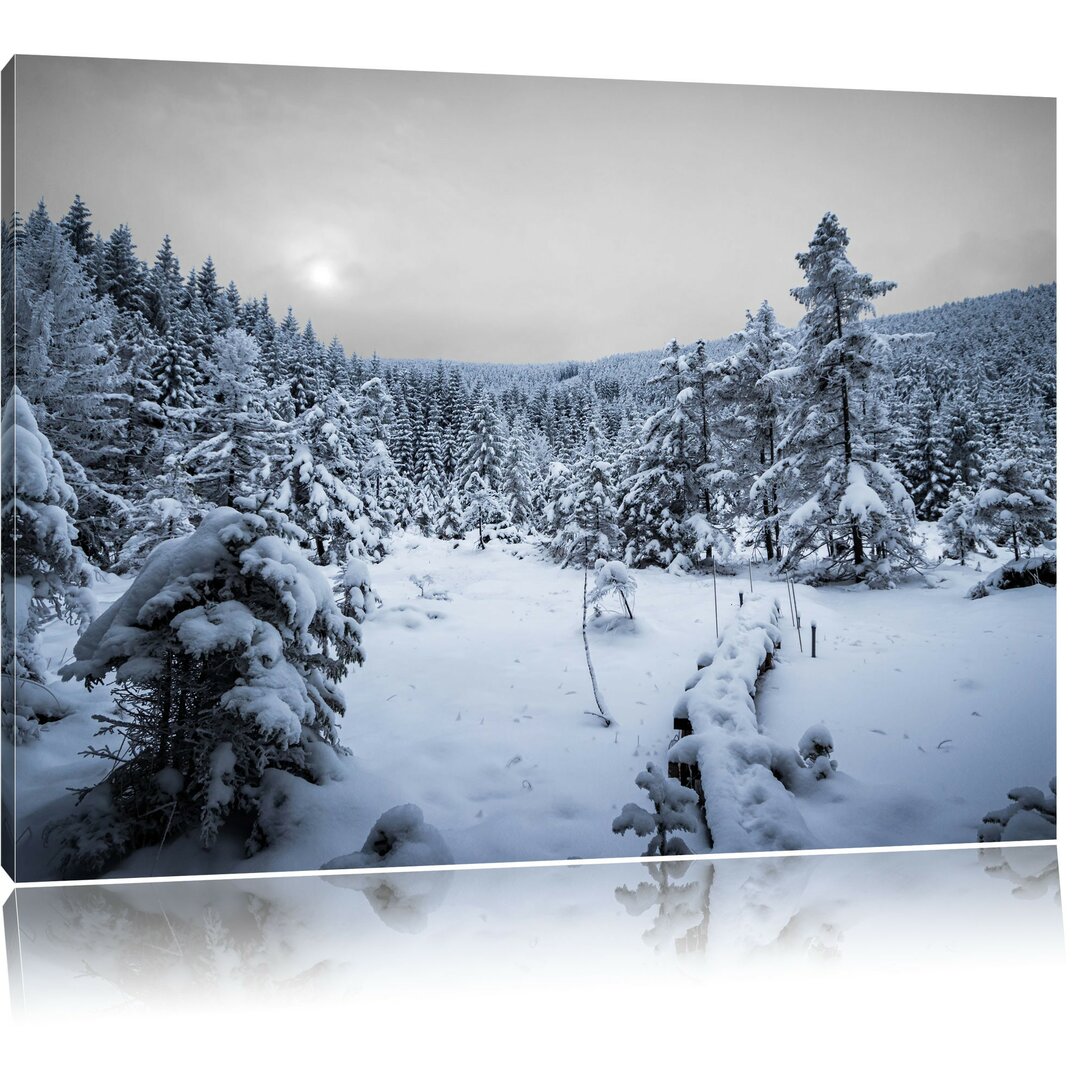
{"x": 856, "y": 533}
{"x": 602, "y": 713}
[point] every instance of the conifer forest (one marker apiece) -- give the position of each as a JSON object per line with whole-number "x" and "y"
{"x": 273, "y": 605}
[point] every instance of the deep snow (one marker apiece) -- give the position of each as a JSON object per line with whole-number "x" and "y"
{"x": 473, "y": 706}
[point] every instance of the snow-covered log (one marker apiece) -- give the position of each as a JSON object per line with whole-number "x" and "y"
{"x": 747, "y": 807}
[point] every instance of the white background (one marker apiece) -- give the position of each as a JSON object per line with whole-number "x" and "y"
{"x": 882, "y": 1022}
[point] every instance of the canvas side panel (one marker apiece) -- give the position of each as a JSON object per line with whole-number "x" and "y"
{"x": 7, "y": 688}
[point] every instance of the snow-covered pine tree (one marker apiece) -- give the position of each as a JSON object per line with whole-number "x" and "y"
{"x": 213, "y": 297}
{"x": 227, "y": 651}
{"x": 589, "y": 512}
{"x": 77, "y": 226}
{"x": 158, "y": 517}
{"x": 961, "y": 532}
{"x": 45, "y": 575}
{"x": 667, "y": 505}
{"x": 845, "y": 499}
{"x": 924, "y": 456}
{"x": 241, "y": 439}
{"x": 317, "y": 492}
{"x": 1012, "y": 503}
{"x": 482, "y": 466}
{"x": 164, "y": 288}
{"x": 964, "y": 433}
{"x": 450, "y": 521}
{"x": 60, "y": 335}
{"x": 121, "y": 273}
{"x": 518, "y": 476}
{"x": 748, "y": 418}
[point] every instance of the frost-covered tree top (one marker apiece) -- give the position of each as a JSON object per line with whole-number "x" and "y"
{"x": 835, "y": 293}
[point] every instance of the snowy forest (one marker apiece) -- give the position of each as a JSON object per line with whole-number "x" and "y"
{"x": 268, "y": 602}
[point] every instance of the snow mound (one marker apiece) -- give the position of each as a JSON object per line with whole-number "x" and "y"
{"x": 1019, "y": 574}
{"x": 1030, "y": 815}
{"x": 400, "y": 837}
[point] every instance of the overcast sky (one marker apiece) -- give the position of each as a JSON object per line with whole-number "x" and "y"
{"x": 519, "y": 219}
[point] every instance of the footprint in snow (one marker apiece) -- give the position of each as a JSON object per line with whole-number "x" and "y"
{"x": 878, "y": 731}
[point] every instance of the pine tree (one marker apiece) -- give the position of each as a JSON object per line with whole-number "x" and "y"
{"x": 1012, "y": 503}
{"x": 520, "y": 502}
{"x": 316, "y": 492}
{"x": 157, "y": 518}
{"x": 748, "y": 420}
{"x": 78, "y": 228}
{"x": 165, "y": 288}
{"x": 121, "y": 274}
{"x": 482, "y": 469}
{"x": 450, "y": 521}
{"x": 240, "y": 438}
{"x": 60, "y": 335}
{"x": 667, "y": 504}
{"x": 228, "y": 649}
{"x": 845, "y": 498}
{"x": 924, "y": 454}
{"x": 960, "y": 530}
{"x": 590, "y": 528}
{"x": 965, "y": 438}
{"x": 45, "y": 575}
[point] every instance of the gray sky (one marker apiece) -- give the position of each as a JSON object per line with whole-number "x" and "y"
{"x": 515, "y": 218}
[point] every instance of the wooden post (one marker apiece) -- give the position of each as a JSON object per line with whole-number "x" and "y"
{"x": 813, "y": 639}
{"x": 740, "y": 599}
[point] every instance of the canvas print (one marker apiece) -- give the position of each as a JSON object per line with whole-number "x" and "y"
{"x": 411, "y": 469}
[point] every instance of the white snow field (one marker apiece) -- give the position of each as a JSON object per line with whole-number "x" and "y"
{"x": 473, "y": 706}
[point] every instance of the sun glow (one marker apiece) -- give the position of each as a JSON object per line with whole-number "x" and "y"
{"x": 321, "y": 275}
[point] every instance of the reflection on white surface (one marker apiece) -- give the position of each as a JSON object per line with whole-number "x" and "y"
{"x": 178, "y": 944}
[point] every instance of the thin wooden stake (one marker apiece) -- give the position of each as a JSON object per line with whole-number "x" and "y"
{"x": 715, "y": 601}
{"x": 603, "y": 713}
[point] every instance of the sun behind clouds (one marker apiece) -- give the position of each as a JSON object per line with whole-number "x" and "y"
{"x": 322, "y": 276}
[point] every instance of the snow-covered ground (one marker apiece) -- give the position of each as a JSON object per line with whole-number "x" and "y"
{"x": 474, "y": 706}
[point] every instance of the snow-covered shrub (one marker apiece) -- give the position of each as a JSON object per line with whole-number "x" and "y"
{"x": 1018, "y": 574}
{"x": 428, "y": 589}
{"x": 816, "y": 747}
{"x": 45, "y": 575}
{"x": 227, "y": 650}
{"x": 400, "y": 837}
{"x": 673, "y": 811}
{"x": 1030, "y": 815}
{"x": 358, "y": 596}
{"x": 615, "y": 580}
